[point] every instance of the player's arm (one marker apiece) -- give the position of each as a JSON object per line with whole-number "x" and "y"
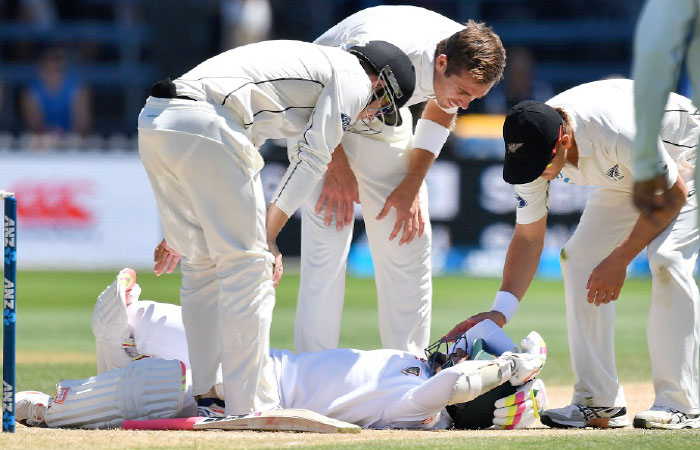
{"x": 467, "y": 380}
{"x": 274, "y": 222}
{"x": 521, "y": 263}
{"x": 659, "y": 48}
{"x": 431, "y": 133}
{"x": 339, "y": 191}
{"x": 344, "y": 94}
{"x": 606, "y": 280}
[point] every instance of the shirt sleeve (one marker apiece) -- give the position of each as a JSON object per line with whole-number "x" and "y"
{"x": 339, "y": 103}
{"x": 659, "y": 48}
{"x": 532, "y": 201}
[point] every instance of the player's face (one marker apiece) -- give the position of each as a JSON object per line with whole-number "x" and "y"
{"x": 456, "y": 90}
{"x": 381, "y": 104}
{"x": 457, "y": 357}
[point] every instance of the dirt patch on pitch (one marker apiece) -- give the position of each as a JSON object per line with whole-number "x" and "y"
{"x": 639, "y": 397}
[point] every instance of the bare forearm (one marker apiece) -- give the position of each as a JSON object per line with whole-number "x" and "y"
{"x": 338, "y": 159}
{"x": 274, "y": 221}
{"x": 421, "y": 160}
{"x": 645, "y": 230}
{"x": 523, "y": 257}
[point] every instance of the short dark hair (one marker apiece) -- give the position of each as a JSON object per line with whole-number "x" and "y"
{"x": 476, "y": 49}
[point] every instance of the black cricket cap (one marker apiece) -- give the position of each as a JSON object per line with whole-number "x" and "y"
{"x": 530, "y": 132}
{"x": 400, "y": 78}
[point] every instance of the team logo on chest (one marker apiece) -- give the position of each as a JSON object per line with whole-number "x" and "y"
{"x": 411, "y": 371}
{"x": 345, "y": 119}
{"x": 614, "y": 173}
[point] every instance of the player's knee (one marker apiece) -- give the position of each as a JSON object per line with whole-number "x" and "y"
{"x": 662, "y": 260}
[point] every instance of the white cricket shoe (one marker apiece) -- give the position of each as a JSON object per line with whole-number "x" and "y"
{"x": 665, "y": 418}
{"x": 30, "y": 408}
{"x": 579, "y": 416}
{"x": 524, "y": 367}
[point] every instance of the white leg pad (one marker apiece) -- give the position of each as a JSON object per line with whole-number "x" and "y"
{"x": 475, "y": 381}
{"x": 145, "y": 389}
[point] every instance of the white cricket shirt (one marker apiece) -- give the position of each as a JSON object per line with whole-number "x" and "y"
{"x": 602, "y": 117}
{"x": 416, "y": 31}
{"x": 280, "y": 89}
{"x": 374, "y": 389}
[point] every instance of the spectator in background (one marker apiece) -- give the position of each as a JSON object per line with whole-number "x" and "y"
{"x": 56, "y": 101}
{"x": 519, "y": 83}
{"x": 244, "y": 22}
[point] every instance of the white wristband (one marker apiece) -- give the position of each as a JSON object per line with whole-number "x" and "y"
{"x": 430, "y": 136}
{"x": 506, "y": 304}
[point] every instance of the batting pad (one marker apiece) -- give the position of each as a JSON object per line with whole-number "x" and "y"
{"x": 145, "y": 389}
{"x": 273, "y": 420}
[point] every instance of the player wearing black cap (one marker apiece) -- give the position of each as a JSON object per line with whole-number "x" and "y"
{"x": 585, "y": 136}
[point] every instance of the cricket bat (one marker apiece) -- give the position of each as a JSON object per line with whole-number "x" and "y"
{"x": 273, "y": 420}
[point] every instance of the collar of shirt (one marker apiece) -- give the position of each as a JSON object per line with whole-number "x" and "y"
{"x": 425, "y": 71}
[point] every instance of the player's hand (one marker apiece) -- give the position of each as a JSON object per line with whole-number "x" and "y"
{"x": 409, "y": 216}
{"x": 166, "y": 258}
{"x": 277, "y": 268}
{"x": 521, "y": 409}
{"x": 647, "y": 199}
{"x": 463, "y": 327}
{"x": 606, "y": 280}
{"x": 338, "y": 194}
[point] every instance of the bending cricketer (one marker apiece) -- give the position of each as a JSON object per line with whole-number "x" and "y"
{"x": 455, "y": 64}
{"x": 585, "y": 136}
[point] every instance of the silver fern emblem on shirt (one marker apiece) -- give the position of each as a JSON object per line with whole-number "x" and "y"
{"x": 614, "y": 173}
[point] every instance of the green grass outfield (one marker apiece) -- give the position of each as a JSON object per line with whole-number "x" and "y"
{"x": 54, "y": 339}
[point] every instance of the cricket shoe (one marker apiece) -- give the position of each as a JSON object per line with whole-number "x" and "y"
{"x": 524, "y": 367}
{"x": 665, "y": 418}
{"x": 210, "y": 407}
{"x": 30, "y": 408}
{"x": 579, "y": 416}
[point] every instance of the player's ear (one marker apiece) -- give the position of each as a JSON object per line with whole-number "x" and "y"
{"x": 566, "y": 140}
{"x": 441, "y": 62}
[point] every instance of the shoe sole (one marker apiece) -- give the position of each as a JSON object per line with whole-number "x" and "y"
{"x": 546, "y": 420}
{"x": 648, "y": 425}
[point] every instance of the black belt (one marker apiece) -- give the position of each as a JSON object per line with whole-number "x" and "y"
{"x": 165, "y": 88}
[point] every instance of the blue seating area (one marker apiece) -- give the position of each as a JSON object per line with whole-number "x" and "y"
{"x": 579, "y": 42}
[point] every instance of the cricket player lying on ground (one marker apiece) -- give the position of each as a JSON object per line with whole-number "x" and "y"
{"x": 373, "y": 389}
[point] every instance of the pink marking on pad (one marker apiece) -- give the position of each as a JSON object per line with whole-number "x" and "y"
{"x": 185, "y": 423}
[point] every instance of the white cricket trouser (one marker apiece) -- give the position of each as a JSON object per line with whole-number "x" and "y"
{"x": 204, "y": 171}
{"x": 673, "y": 330}
{"x": 402, "y": 273}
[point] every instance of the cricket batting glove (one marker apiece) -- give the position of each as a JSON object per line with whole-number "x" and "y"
{"x": 524, "y": 367}
{"x": 534, "y": 344}
{"x": 521, "y": 409}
